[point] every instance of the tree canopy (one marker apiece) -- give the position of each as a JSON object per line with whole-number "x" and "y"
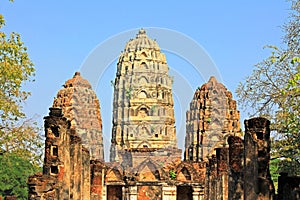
{"x": 17, "y": 133}
{"x": 20, "y": 141}
{"x": 273, "y": 91}
{"x": 14, "y": 173}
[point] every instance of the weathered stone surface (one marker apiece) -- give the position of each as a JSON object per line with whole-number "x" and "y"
{"x": 288, "y": 187}
{"x": 96, "y": 188}
{"x": 257, "y": 178}
{"x": 143, "y": 106}
{"x": 236, "y": 157}
{"x": 212, "y": 117}
{"x": 63, "y": 167}
{"x": 222, "y": 172}
{"x": 81, "y": 106}
{"x": 147, "y": 164}
{"x": 149, "y": 192}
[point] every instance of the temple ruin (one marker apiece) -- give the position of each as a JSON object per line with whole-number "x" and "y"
{"x": 143, "y": 106}
{"x": 145, "y": 162}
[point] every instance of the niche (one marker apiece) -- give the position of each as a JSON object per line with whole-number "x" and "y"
{"x": 54, "y": 170}
{"x": 142, "y": 95}
{"x": 55, "y": 130}
{"x": 54, "y": 150}
{"x": 143, "y": 112}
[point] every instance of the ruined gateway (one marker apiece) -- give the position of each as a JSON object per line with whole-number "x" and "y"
{"x": 145, "y": 162}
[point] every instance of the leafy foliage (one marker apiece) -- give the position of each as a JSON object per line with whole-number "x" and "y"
{"x": 17, "y": 134}
{"x": 274, "y": 167}
{"x": 128, "y": 92}
{"x": 14, "y": 172}
{"x": 15, "y": 68}
{"x": 19, "y": 137}
{"x": 273, "y": 91}
{"x": 23, "y": 139}
{"x": 172, "y": 174}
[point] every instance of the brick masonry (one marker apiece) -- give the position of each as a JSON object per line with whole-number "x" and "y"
{"x": 145, "y": 162}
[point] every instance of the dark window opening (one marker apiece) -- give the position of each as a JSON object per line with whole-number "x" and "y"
{"x": 260, "y": 135}
{"x": 54, "y": 169}
{"x": 184, "y": 192}
{"x": 144, "y": 65}
{"x": 186, "y": 173}
{"x": 114, "y": 192}
{"x": 144, "y": 54}
{"x": 156, "y": 135}
{"x": 54, "y": 151}
{"x": 55, "y": 131}
{"x": 145, "y": 146}
{"x": 261, "y": 154}
{"x": 157, "y": 175}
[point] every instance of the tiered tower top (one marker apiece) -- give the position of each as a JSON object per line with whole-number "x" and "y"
{"x": 142, "y": 41}
{"x": 81, "y": 106}
{"x": 212, "y": 117}
{"x": 143, "y": 107}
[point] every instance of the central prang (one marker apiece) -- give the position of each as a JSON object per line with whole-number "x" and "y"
{"x": 143, "y": 106}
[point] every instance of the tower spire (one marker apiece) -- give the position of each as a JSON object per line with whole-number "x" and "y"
{"x": 143, "y": 108}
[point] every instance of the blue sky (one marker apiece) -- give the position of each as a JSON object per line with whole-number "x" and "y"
{"x": 60, "y": 36}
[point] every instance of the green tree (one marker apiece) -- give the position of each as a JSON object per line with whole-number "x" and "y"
{"x": 20, "y": 141}
{"x": 14, "y": 172}
{"x": 17, "y": 134}
{"x": 272, "y": 90}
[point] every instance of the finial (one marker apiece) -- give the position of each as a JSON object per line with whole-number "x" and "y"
{"x": 212, "y": 79}
{"x": 142, "y": 31}
{"x": 77, "y": 74}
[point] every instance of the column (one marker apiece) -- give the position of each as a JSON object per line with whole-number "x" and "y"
{"x": 198, "y": 193}
{"x": 169, "y": 193}
{"x": 132, "y": 192}
{"x": 235, "y": 182}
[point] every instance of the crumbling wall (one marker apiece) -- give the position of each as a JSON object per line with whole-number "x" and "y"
{"x": 86, "y": 175}
{"x": 149, "y": 192}
{"x": 222, "y": 173}
{"x": 257, "y": 178}
{"x": 288, "y": 187}
{"x": 63, "y": 167}
{"x": 97, "y": 179}
{"x": 211, "y": 179}
{"x": 217, "y": 175}
{"x": 236, "y": 157}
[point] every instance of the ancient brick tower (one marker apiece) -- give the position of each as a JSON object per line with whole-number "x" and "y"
{"x": 143, "y": 107}
{"x": 80, "y": 105}
{"x": 218, "y": 163}
{"x": 212, "y": 117}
